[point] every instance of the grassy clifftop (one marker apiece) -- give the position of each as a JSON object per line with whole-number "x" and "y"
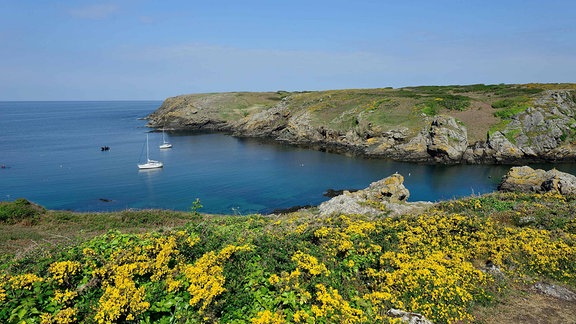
{"x": 480, "y": 107}
{"x": 477, "y": 259}
{"x": 437, "y": 124}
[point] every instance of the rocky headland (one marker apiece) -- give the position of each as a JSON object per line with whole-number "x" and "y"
{"x": 489, "y": 124}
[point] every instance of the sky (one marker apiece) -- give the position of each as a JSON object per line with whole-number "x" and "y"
{"x": 154, "y": 49}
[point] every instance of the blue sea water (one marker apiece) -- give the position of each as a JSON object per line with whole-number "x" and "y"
{"x": 50, "y": 154}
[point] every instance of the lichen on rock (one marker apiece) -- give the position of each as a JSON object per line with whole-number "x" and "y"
{"x": 526, "y": 179}
{"x": 384, "y": 197}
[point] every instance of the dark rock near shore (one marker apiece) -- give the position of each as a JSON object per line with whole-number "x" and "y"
{"x": 290, "y": 209}
{"x": 331, "y": 193}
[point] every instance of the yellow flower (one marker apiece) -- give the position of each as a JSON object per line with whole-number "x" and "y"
{"x": 206, "y": 276}
{"x": 64, "y": 316}
{"x": 310, "y": 263}
{"x": 24, "y": 281}
{"x": 62, "y": 297}
{"x": 334, "y": 307}
{"x": 274, "y": 279}
{"x": 301, "y": 316}
{"x": 62, "y": 271}
{"x": 267, "y": 317}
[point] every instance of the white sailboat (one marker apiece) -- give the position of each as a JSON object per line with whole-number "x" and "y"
{"x": 150, "y": 164}
{"x": 164, "y": 144}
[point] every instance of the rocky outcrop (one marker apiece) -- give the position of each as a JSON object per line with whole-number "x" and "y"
{"x": 447, "y": 140}
{"x": 387, "y": 196}
{"x": 544, "y": 132}
{"x": 541, "y": 133}
{"x": 555, "y": 291}
{"x": 408, "y": 317}
{"x": 526, "y": 179}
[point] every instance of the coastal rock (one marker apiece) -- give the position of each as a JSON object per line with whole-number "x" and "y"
{"x": 186, "y": 112}
{"x": 502, "y": 150}
{"x": 447, "y": 140}
{"x": 264, "y": 123}
{"x": 391, "y": 188}
{"x": 544, "y": 132}
{"x": 559, "y": 182}
{"x": 555, "y": 291}
{"x": 387, "y": 196}
{"x": 408, "y": 317}
{"x": 526, "y": 179}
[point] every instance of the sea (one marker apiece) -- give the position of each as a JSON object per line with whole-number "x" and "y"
{"x": 50, "y": 154}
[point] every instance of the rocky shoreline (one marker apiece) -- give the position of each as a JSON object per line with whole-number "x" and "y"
{"x": 542, "y": 132}
{"x": 389, "y": 196}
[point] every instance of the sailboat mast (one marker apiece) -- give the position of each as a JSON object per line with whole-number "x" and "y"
{"x": 147, "y": 153}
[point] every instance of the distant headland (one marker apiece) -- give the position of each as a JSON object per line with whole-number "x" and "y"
{"x": 473, "y": 124}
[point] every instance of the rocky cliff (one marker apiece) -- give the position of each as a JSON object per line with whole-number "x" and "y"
{"x": 459, "y": 124}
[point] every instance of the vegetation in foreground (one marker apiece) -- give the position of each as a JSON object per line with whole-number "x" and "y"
{"x": 450, "y": 264}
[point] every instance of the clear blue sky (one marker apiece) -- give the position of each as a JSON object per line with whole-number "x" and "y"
{"x": 153, "y": 49}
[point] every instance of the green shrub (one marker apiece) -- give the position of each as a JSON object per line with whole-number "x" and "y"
{"x": 429, "y": 108}
{"x": 18, "y": 210}
{"x": 455, "y": 102}
{"x": 509, "y": 112}
{"x": 503, "y": 103}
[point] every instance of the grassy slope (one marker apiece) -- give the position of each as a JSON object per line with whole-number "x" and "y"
{"x": 383, "y": 109}
{"x": 293, "y": 266}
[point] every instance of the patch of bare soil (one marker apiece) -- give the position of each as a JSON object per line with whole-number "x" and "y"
{"x": 530, "y": 307}
{"x": 478, "y": 119}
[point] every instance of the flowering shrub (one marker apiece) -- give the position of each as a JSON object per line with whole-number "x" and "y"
{"x": 301, "y": 268}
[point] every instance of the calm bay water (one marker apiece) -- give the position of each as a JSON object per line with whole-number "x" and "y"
{"x": 51, "y": 155}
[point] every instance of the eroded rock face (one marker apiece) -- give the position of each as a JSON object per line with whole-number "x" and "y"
{"x": 442, "y": 140}
{"x": 537, "y": 134}
{"x": 447, "y": 140}
{"x": 387, "y": 196}
{"x": 526, "y": 179}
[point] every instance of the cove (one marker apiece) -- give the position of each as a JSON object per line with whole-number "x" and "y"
{"x": 52, "y": 153}
{"x": 241, "y": 175}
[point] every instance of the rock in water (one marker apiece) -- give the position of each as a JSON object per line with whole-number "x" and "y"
{"x": 391, "y": 189}
{"x": 526, "y": 179}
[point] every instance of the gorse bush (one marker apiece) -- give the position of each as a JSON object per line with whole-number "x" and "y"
{"x": 300, "y": 268}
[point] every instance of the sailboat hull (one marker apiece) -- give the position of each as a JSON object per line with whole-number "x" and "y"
{"x": 151, "y": 164}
